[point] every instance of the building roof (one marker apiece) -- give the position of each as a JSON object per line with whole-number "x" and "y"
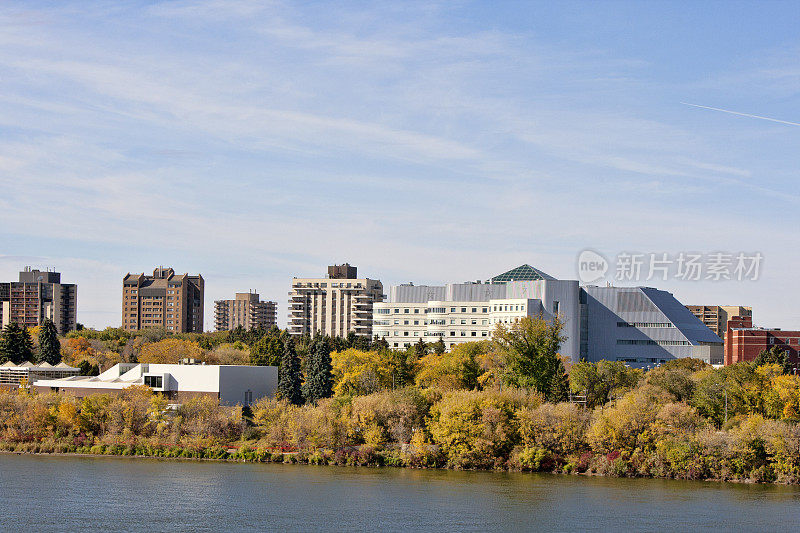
{"x": 522, "y": 273}
{"x": 43, "y": 365}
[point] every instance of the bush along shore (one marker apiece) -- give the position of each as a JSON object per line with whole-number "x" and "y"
{"x": 507, "y": 404}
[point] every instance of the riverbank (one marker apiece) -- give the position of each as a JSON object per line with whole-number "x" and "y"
{"x": 353, "y": 458}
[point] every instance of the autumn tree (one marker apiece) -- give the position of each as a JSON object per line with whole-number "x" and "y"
{"x": 358, "y": 372}
{"x": 170, "y": 351}
{"x": 267, "y": 351}
{"x": 457, "y": 369}
{"x": 530, "y": 351}
{"x": 289, "y": 377}
{"x": 49, "y": 347}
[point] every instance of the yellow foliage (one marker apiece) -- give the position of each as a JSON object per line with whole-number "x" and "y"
{"x": 358, "y": 372}
{"x": 170, "y": 351}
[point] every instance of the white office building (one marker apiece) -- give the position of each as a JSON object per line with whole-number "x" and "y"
{"x": 466, "y": 312}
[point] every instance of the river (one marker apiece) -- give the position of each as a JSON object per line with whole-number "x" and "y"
{"x": 67, "y": 493}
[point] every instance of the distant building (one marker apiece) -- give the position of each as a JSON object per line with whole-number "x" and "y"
{"x": 23, "y": 375}
{"x": 163, "y": 300}
{"x": 716, "y": 317}
{"x": 36, "y": 296}
{"x": 229, "y": 384}
{"x": 245, "y": 310}
{"x": 641, "y": 326}
{"x": 743, "y": 342}
{"x": 465, "y": 312}
{"x": 336, "y": 305}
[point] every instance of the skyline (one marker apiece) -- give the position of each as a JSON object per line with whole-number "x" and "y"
{"x": 439, "y": 142}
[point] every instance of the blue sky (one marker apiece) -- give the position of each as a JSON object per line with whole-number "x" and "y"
{"x": 425, "y": 142}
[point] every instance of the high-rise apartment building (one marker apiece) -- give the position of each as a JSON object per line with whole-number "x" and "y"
{"x": 335, "y": 305}
{"x": 716, "y": 317}
{"x": 36, "y": 296}
{"x": 245, "y": 310}
{"x": 163, "y": 300}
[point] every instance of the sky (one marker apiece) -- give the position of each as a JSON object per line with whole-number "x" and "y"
{"x": 430, "y": 142}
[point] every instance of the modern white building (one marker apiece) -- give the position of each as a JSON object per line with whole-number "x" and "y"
{"x": 465, "y": 312}
{"x": 640, "y": 326}
{"x": 230, "y": 384}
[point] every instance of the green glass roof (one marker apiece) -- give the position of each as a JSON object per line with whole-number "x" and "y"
{"x": 521, "y": 273}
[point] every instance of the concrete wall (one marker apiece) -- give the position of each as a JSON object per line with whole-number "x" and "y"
{"x": 234, "y": 381}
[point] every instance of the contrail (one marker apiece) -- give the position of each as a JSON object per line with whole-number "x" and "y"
{"x": 743, "y": 114}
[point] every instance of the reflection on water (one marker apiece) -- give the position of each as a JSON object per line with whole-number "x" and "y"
{"x": 100, "y": 494}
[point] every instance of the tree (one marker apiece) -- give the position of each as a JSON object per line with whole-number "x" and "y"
{"x": 358, "y": 372}
{"x": 602, "y": 380}
{"x": 319, "y": 379}
{"x": 49, "y": 347}
{"x": 170, "y": 351}
{"x": 289, "y": 378}
{"x": 559, "y": 385}
{"x": 421, "y": 348}
{"x": 438, "y": 347}
{"x": 774, "y": 356}
{"x": 16, "y": 344}
{"x": 268, "y": 351}
{"x": 530, "y": 350}
{"x": 457, "y": 369}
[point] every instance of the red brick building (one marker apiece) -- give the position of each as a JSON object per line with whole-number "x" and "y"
{"x": 743, "y": 342}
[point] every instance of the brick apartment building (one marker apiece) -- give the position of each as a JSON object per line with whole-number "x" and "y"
{"x": 743, "y": 342}
{"x": 163, "y": 300}
{"x": 36, "y": 296}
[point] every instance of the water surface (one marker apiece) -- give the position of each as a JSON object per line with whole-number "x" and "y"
{"x": 47, "y": 493}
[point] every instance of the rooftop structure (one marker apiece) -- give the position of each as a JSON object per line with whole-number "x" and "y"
{"x": 522, "y": 273}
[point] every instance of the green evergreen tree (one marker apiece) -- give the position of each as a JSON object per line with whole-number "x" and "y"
{"x": 49, "y": 347}
{"x": 559, "y": 385}
{"x": 421, "y": 348}
{"x": 319, "y": 377}
{"x": 438, "y": 347}
{"x": 774, "y": 356}
{"x": 289, "y": 377}
{"x": 16, "y": 344}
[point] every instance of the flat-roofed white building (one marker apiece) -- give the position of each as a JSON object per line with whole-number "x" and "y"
{"x": 230, "y": 384}
{"x": 22, "y": 375}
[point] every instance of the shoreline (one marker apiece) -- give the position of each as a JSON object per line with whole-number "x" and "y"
{"x": 243, "y": 460}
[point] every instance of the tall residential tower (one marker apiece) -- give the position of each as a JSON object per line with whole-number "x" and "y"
{"x": 163, "y": 300}
{"x": 336, "y": 305}
{"x": 36, "y": 296}
{"x": 245, "y": 310}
